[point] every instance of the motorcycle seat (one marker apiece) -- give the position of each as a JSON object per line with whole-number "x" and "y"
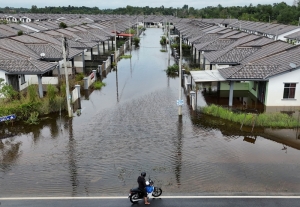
{"x": 135, "y": 190}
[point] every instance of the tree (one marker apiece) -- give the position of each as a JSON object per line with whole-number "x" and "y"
{"x": 34, "y": 9}
{"x": 62, "y": 25}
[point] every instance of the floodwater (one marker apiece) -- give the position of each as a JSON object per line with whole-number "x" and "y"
{"x": 132, "y": 125}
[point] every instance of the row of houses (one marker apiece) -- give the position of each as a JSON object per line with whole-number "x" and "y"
{"x": 36, "y": 57}
{"x": 259, "y": 57}
{"x": 255, "y": 57}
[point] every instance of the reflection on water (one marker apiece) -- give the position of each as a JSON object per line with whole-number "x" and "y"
{"x": 10, "y": 152}
{"x": 131, "y": 125}
{"x": 178, "y": 152}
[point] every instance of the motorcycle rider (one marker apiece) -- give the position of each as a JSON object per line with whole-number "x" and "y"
{"x": 142, "y": 186}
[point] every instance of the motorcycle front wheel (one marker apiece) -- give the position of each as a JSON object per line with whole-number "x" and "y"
{"x": 157, "y": 192}
{"x": 134, "y": 198}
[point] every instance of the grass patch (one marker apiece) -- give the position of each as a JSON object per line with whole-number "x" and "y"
{"x": 164, "y": 50}
{"x": 125, "y": 56}
{"x": 98, "y": 85}
{"x": 273, "y": 120}
{"x": 79, "y": 77}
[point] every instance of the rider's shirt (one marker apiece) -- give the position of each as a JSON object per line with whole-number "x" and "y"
{"x": 142, "y": 182}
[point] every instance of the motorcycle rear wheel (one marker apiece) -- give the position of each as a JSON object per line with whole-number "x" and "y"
{"x": 134, "y": 198}
{"x": 157, "y": 192}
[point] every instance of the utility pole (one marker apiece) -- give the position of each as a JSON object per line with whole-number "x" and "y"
{"x": 115, "y": 44}
{"x": 137, "y": 28}
{"x": 180, "y": 95}
{"x": 169, "y": 40}
{"x": 129, "y": 37}
{"x": 64, "y": 44}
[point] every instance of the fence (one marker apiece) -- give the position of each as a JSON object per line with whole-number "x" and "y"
{"x": 45, "y": 80}
{"x": 75, "y": 94}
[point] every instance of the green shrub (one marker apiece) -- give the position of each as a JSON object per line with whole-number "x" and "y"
{"x": 120, "y": 43}
{"x": 32, "y": 93}
{"x": 33, "y": 118}
{"x": 163, "y": 40}
{"x": 62, "y": 25}
{"x": 51, "y": 92}
{"x": 98, "y": 85}
{"x": 174, "y": 69}
{"x": 79, "y": 76}
{"x": 136, "y": 41}
{"x": 7, "y": 90}
{"x": 130, "y": 31}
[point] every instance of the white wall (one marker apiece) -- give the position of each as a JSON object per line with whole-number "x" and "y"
{"x": 78, "y": 62}
{"x": 87, "y": 54}
{"x": 276, "y": 87}
{"x": 26, "y": 84}
{"x": 2, "y": 75}
{"x": 281, "y": 37}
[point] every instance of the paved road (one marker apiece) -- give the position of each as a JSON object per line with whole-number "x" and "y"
{"x": 158, "y": 202}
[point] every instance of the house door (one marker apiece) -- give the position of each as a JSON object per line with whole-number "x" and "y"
{"x": 261, "y": 92}
{"x": 13, "y": 80}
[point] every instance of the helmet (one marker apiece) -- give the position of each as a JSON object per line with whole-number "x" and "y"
{"x": 143, "y": 174}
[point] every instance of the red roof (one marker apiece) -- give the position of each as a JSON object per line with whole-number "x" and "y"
{"x": 123, "y": 34}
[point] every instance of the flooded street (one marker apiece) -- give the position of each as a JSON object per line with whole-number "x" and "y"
{"x": 132, "y": 125}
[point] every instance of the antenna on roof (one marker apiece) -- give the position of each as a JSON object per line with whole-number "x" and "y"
{"x": 42, "y": 55}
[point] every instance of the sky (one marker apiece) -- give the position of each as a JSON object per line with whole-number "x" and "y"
{"x": 112, "y": 4}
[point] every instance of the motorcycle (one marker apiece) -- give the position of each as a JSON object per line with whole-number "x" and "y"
{"x": 135, "y": 194}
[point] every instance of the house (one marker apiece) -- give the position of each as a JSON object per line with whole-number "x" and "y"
{"x": 18, "y": 72}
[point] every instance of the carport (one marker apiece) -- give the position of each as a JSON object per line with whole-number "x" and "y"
{"x": 211, "y": 76}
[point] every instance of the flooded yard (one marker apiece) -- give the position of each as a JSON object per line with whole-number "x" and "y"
{"x": 132, "y": 125}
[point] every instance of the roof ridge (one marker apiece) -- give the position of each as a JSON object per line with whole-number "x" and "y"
{"x": 33, "y": 64}
{"x": 271, "y": 71}
{"x": 236, "y": 71}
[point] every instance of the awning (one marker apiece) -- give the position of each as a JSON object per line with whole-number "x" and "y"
{"x": 125, "y": 35}
{"x": 207, "y": 76}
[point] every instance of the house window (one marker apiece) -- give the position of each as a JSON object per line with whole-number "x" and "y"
{"x": 289, "y": 90}
{"x": 22, "y": 79}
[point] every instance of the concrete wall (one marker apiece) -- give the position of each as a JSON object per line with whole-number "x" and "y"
{"x": 276, "y": 88}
